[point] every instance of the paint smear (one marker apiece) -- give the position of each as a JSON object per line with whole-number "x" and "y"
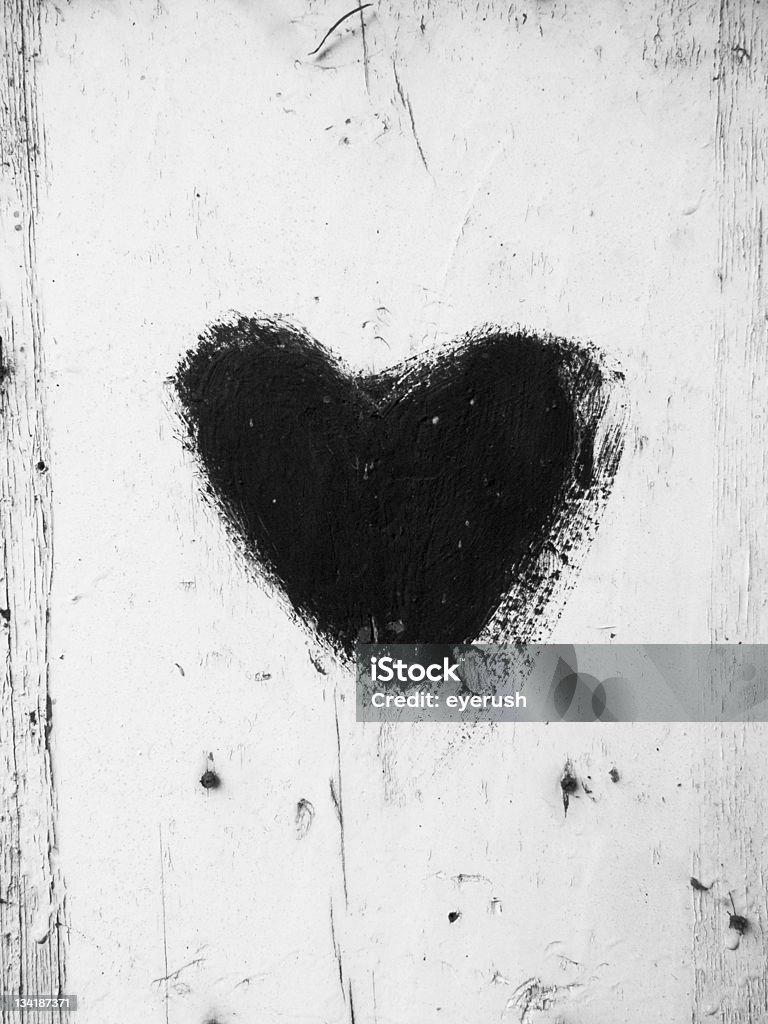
{"x": 403, "y": 506}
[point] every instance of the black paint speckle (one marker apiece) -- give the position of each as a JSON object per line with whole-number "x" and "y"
{"x": 568, "y": 784}
{"x": 5, "y": 369}
{"x": 614, "y": 774}
{"x": 699, "y": 886}
{"x": 738, "y": 923}
{"x": 454, "y": 916}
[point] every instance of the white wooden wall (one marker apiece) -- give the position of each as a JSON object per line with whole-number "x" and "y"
{"x": 596, "y": 170}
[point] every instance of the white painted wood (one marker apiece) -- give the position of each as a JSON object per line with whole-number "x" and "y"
{"x": 733, "y": 985}
{"x": 32, "y": 938}
{"x": 582, "y": 170}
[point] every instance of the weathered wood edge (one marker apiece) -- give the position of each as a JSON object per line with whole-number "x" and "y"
{"x": 32, "y": 936}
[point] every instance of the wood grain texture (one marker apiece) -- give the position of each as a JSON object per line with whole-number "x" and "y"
{"x": 32, "y": 939}
{"x": 572, "y": 168}
{"x": 731, "y": 973}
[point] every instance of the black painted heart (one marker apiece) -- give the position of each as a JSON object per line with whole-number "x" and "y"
{"x": 399, "y": 506}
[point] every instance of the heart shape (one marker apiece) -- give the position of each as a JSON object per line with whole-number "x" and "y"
{"x": 398, "y": 506}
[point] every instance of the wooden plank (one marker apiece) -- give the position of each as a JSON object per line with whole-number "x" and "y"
{"x": 32, "y": 939}
{"x": 547, "y": 164}
{"x": 731, "y": 977}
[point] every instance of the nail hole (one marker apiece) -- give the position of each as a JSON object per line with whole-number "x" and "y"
{"x": 210, "y": 780}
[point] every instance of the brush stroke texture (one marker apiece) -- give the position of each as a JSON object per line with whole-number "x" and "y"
{"x": 394, "y": 506}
